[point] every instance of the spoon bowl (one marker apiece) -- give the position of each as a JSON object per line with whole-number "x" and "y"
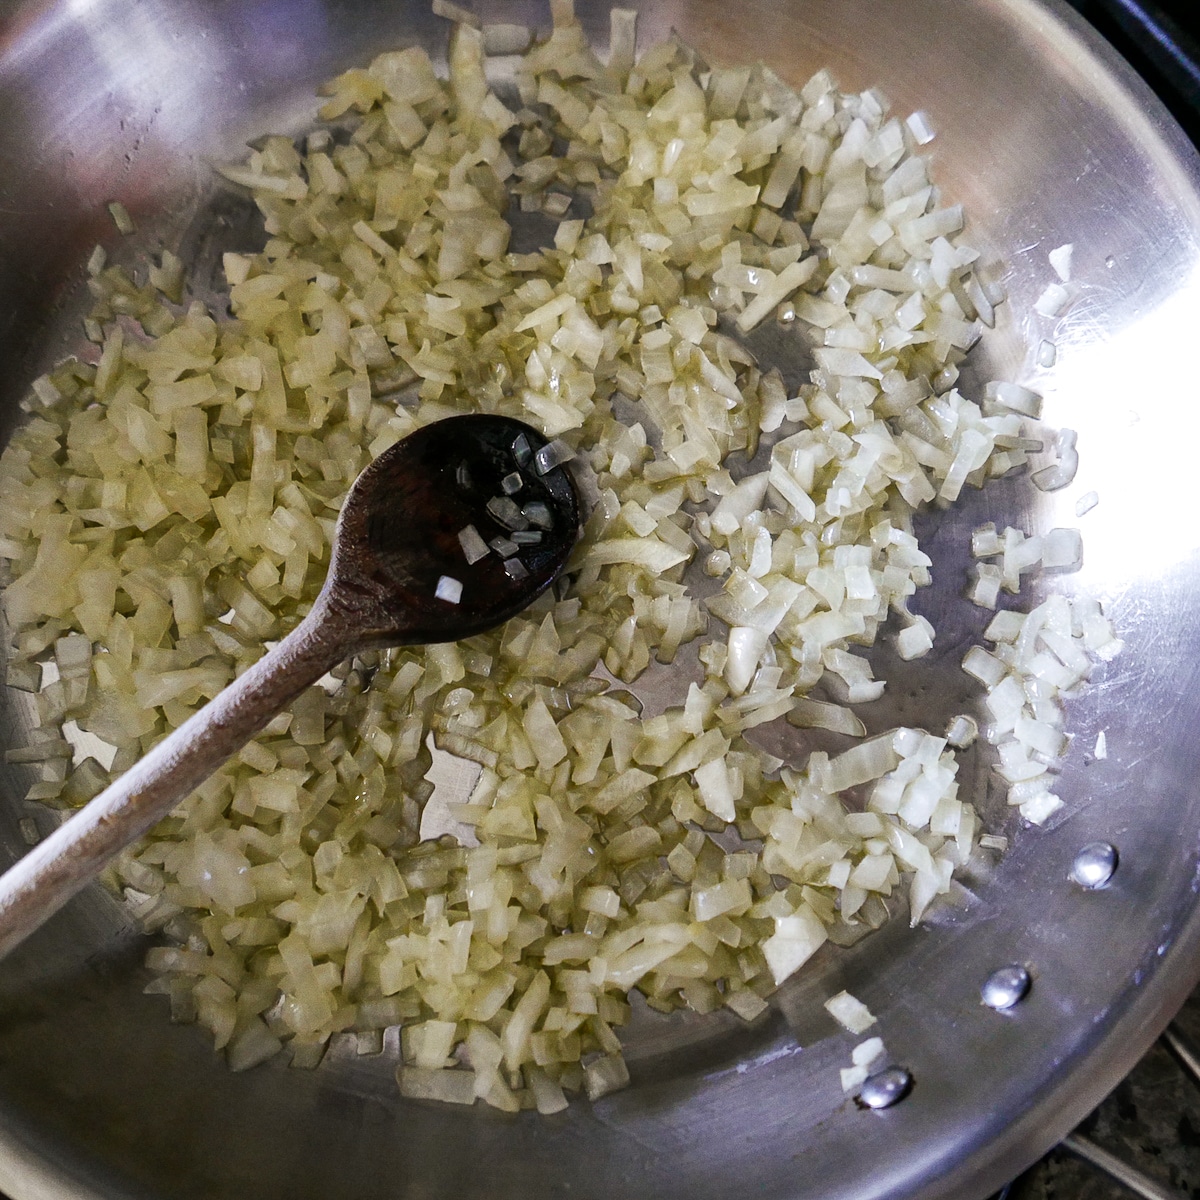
{"x": 405, "y": 521}
{"x": 446, "y": 534}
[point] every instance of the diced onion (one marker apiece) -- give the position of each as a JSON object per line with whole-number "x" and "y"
{"x": 851, "y": 1013}
{"x": 449, "y": 589}
{"x": 474, "y": 547}
{"x": 1053, "y": 301}
{"x": 1060, "y": 260}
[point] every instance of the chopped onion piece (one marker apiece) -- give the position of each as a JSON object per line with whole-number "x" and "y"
{"x": 604, "y": 1075}
{"x": 816, "y": 714}
{"x": 120, "y": 217}
{"x": 962, "y": 730}
{"x": 522, "y": 452}
{"x": 849, "y": 1012}
{"x": 746, "y": 647}
{"x": 552, "y": 454}
{"x": 985, "y": 591}
{"x": 449, "y": 589}
{"x": 1062, "y": 550}
{"x": 1053, "y": 301}
{"x": 1051, "y": 478}
{"x": 984, "y": 667}
{"x": 474, "y": 547}
{"x": 915, "y": 640}
{"x": 507, "y": 512}
{"x": 1060, "y": 260}
{"x": 506, "y": 39}
{"x": 985, "y": 541}
{"x": 1015, "y": 397}
{"x": 780, "y": 288}
{"x": 868, "y": 1052}
{"x": 537, "y": 513}
{"x": 796, "y": 939}
{"x": 920, "y": 128}
{"x": 1038, "y": 809}
{"x": 746, "y": 1004}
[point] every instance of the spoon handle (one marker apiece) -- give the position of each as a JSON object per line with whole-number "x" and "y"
{"x": 39, "y": 884}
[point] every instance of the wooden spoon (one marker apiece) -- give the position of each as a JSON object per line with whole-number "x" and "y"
{"x": 394, "y": 577}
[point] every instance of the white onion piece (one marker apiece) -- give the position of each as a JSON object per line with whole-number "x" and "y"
{"x": 850, "y": 1012}
{"x": 920, "y": 128}
{"x": 474, "y": 547}
{"x": 449, "y": 589}
{"x": 1061, "y": 473}
{"x": 985, "y": 541}
{"x": 915, "y": 640}
{"x": 746, "y": 647}
{"x": 985, "y": 590}
{"x": 506, "y": 39}
{"x": 868, "y": 1052}
{"x": 121, "y": 218}
{"x": 796, "y": 939}
{"x": 1060, "y": 260}
{"x": 962, "y": 730}
{"x": 1053, "y": 301}
{"x": 1014, "y": 397}
{"x": 1062, "y": 550}
{"x": 867, "y": 761}
{"x": 733, "y": 508}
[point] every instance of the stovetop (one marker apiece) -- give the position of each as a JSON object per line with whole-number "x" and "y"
{"x": 1149, "y": 1124}
{"x": 1160, "y": 39}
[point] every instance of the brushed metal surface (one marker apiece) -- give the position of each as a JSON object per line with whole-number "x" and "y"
{"x": 1046, "y": 138}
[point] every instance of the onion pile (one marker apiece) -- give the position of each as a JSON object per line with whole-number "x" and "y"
{"x": 168, "y": 508}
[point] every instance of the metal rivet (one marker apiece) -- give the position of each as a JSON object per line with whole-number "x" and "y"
{"x": 1094, "y": 865}
{"x": 1005, "y": 987}
{"x": 886, "y": 1088}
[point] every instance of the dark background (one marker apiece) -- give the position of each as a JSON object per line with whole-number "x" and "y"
{"x": 1160, "y": 39}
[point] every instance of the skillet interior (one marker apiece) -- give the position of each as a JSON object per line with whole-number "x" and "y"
{"x": 1046, "y": 138}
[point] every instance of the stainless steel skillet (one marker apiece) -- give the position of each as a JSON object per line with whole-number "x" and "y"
{"x": 1047, "y": 139}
